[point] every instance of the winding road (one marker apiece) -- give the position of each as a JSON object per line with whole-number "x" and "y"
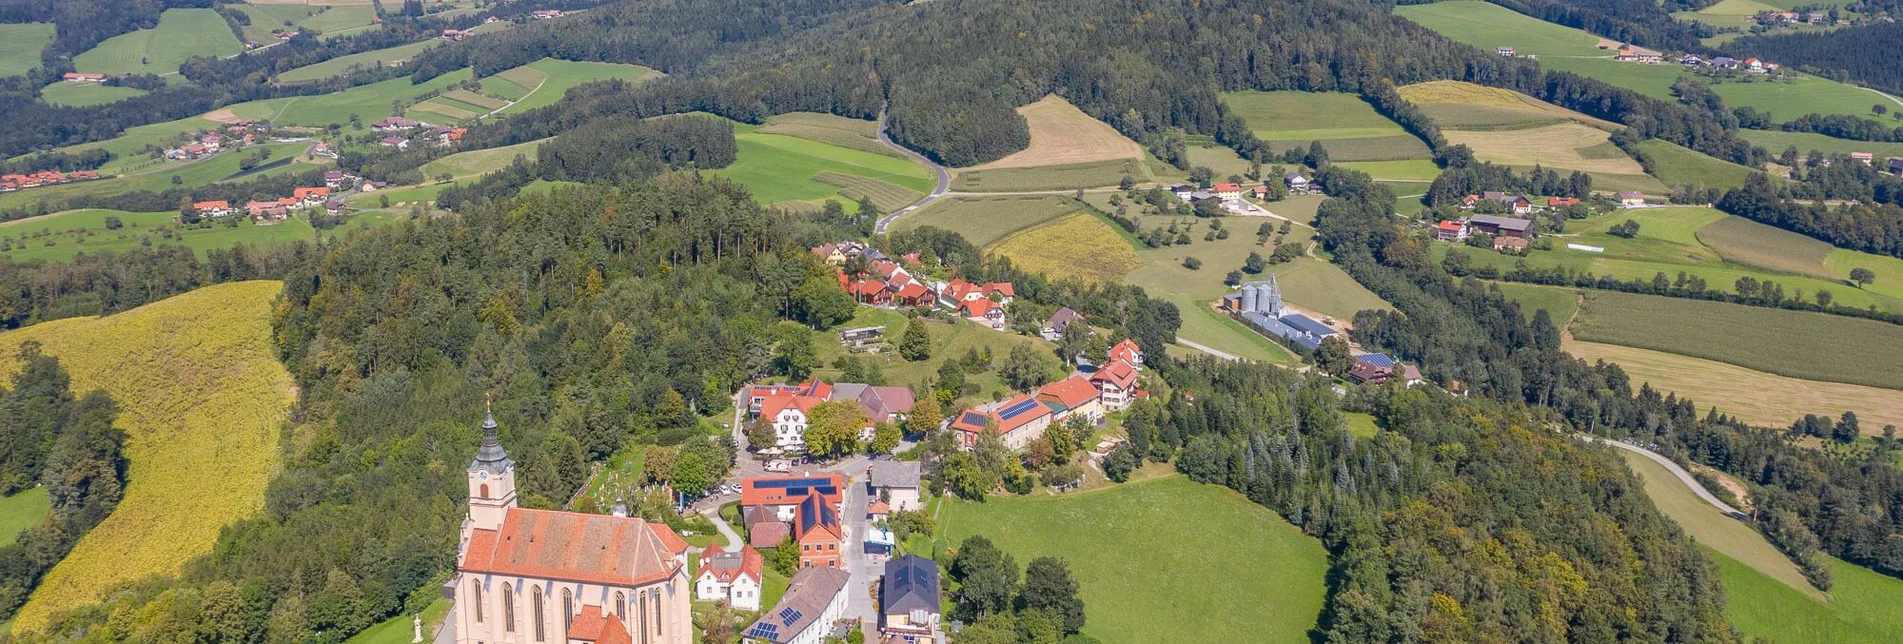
{"x": 1683, "y": 476}
{"x": 944, "y": 177}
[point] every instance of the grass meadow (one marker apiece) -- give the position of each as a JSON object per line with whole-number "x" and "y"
{"x": 1346, "y": 125}
{"x": 23, "y": 510}
{"x": 59, "y": 236}
{"x": 1089, "y": 174}
{"x": 128, "y": 149}
{"x": 399, "y": 629}
{"x": 1163, "y": 560}
{"x": 1079, "y": 246}
{"x": 1415, "y": 170}
{"x": 949, "y": 342}
{"x": 20, "y": 46}
{"x": 983, "y": 220}
{"x": 1810, "y": 346}
{"x": 847, "y": 133}
{"x": 181, "y": 34}
{"x": 1675, "y": 165}
{"x": 780, "y": 168}
{"x": 1713, "y": 529}
{"x": 1861, "y": 607}
{"x": 1221, "y": 159}
{"x": 202, "y": 400}
{"x": 83, "y": 94}
{"x": 1559, "y": 303}
{"x": 327, "y": 20}
{"x": 1747, "y": 242}
{"x": 1805, "y": 142}
{"x": 557, "y": 76}
{"x": 366, "y": 60}
{"x": 369, "y": 103}
{"x": 475, "y": 163}
{"x": 1888, "y": 270}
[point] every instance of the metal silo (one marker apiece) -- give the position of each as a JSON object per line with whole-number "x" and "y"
{"x": 1251, "y": 298}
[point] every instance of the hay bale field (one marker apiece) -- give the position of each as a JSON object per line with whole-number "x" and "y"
{"x": 826, "y": 128}
{"x": 1567, "y": 146}
{"x": 1078, "y": 246}
{"x": 1061, "y": 134}
{"x": 203, "y": 400}
{"x": 1740, "y": 392}
{"x": 1743, "y": 241}
{"x": 983, "y": 220}
{"x": 1798, "y": 344}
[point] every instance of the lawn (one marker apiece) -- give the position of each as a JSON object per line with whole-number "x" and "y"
{"x": 322, "y": 19}
{"x": 1164, "y": 560}
{"x": 1740, "y": 392}
{"x": 367, "y": 60}
{"x": 400, "y": 629}
{"x": 829, "y": 129}
{"x": 1221, "y": 159}
{"x": 1734, "y": 538}
{"x": 780, "y": 168}
{"x": 475, "y": 163}
{"x": 1811, "y": 346}
{"x": 1078, "y": 246}
{"x": 1361, "y": 425}
{"x": 1776, "y": 142}
{"x": 1061, "y": 134}
{"x": 1675, "y": 165}
{"x": 20, "y": 46}
{"x": 181, "y": 34}
{"x": 59, "y": 236}
{"x": 1317, "y": 285}
{"x": 83, "y": 94}
{"x": 983, "y": 220}
{"x": 1346, "y": 125}
{"x": 369, "y": 103}
{"x": 1861, "y": 607}
{"x": 222, "y": 167}
{"x": 23, "y": 510}
{"x": 202, "y": 400}
{"x": 949, "y": 342}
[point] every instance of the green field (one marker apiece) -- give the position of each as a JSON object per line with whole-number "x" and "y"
{"x": 181, "y": 34}
{"x": 128, "y": 149}
{"x": 400, "y": 629}
{"x": 1675, "y": 165}
{"x": 1488, "y": 26}
{"x": 1346, "y": 125}
{"x": 1812, "y": 346}
{"x": 23, "y": 510}
{"x": 949, "y": 342}
{"x": 1732, "y": 537}
{"x": 370, "y": 103}
{"x": 780, "y": 168}
{"x": 560, "y": 75}
{"x": 330, "y": 20}
{"x": 1164, "y": 560}
{"x": 1560, "y": 303}
{"x": 1743, "y": 241}
{"x": 1861, "y": 608}
{"x": 475, "y": 163}
{"x": 193, "y": 174}
{"x": 827, "y": 128}
{"x": 1889, "y": 270}
{"x": 83, "y": 94}
{"x": 1805, "y": 142}
{"x": 77, "y": 231}
{"x": 1091, "y": 174}
{"x": 1421, "y": 170}
{"x": 368, "y": 59}
{"x": 1223, "y": 160}
{"x": 20, "y": 46}
{"x": 983, "y": 220}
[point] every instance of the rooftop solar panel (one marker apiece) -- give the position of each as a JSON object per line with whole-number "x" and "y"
{"x": 789, "y": 615}
{"x": 767, "y": 631}
{"x": 1019, "y": 408}
{"x": 1376, "y": 359}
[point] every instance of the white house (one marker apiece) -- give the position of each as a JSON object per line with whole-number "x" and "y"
{"x": 1117, "y": 382}
{"x": 732, "y": 577}
{"x": 813, "y": 601}
{"x": 896, "y": 482}
{"x": 787, "y": 414}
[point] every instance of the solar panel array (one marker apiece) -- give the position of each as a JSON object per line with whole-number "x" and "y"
{"x": 1019, "y": 408}
{"x": 790, "y": 615}
{"x": 798, "y": 486}
{"x": 764, "y": 631}
{"x": 973, "y": 418}
{"x": 1377, "y": 359}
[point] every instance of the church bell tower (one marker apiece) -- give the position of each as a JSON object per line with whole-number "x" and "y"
{"x": 491, "y": 479}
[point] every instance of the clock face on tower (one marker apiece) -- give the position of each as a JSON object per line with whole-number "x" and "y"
{"x": 484, "y": 475}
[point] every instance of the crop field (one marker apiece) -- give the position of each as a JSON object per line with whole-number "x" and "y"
{"x": 1566, "y": 146}
{"x": 202, "y": 400}
{"x": 1713, "y": 529}
{"x": 23, "y": 510}
{"x": 949, "y": 342}
{"x": 1090, "y": 174}
{"x": 1861, "y": 608}
{"x": 1743, "y": 241}
{"x": 1776, "y": 142}
{"x": 780, "y": 168}
{"x": 1740, "y": 392}
{"x": 1812, "y": 346}
{"x": 1560, "y": 303}
{"x": 1420, "y": 170}
{"x": 57, "y": 237}
{"x": 368, "y": 60}
{"x": 557, "y": 76}
{"x": 83, "y": 94}
{"x": 1727, "y": 13}
{"x": 1675, "y": 165}
{"x": 1061, "y": 134}
{"x": 445, "y": 111}
{"x": 1345, "y": 124}
{"x": 885, "y": 196}
{"x": 475, "y": 163}
{"x": 181, "y": 34}
{"x": 370, "y": 103}
{"x": 198, "y": 173}
{"x": 983, "y": 220}
{"x": 1251, "y": 577}
{"x": 1078, "y": 246}
{"x": 829, "y": 129}
{"x": 472, "y": 98}
{"x": 20, "y": 46}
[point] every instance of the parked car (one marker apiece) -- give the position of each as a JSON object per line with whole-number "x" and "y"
{"x": 779, "y": 466}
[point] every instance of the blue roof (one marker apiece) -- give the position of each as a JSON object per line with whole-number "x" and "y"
{"x": 1376, "y": 359}
{"x": 764, "y": 631}
{"x": 973, "y": 418}
{"x": 910, "y": 582}
{"x": 815, "y": 511}
{"x": 1301, "y": 323}
{"x": 1276, "y": 328}
{"x": 1018, "y": 409}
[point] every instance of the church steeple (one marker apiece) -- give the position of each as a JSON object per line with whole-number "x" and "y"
{"x": 491, "y": 457}
{"x": 491, "y": 478}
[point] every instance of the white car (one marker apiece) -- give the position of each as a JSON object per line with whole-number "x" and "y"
{"x": 779, "y": 466}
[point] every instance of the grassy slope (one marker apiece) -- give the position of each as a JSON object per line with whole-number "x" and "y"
{"x": 371, "y": 103}
{"x": 1743, "y": 241}
{"x": 202, "y": 400}
{"x": 1078, "y": 246}
{"x": 1166, "y": 560}
{"x": 1713, "y": 529}
{"x": 159, "y": 178}
{"x": 475, "y": 163}
{"x": 1559, "y": 303}
{"x": 1776, "y": 142}
{"x": 949, "y": 342}
{"x": 779, "y": 168}
{"x": 1338, "y": 120}
{"x": 127, "y": 146}
{"x": 83, "y": 94}
{"x": 341, "y": 64}
{"x": 29, "y": 236}
{"x": 1861, "y": 607}
{"x": 20, "y": 46}
{"x": 23, "y": 510}
{"x": 181, "y": 34}
{"x": 563, "y": 74}
{"x": 1889, "y": 270}
{"x": 399, "y": 629}
{"x": 1674, "y": 165}
{"x": 827, "y": 128}
{"x": 1812, "y": 346}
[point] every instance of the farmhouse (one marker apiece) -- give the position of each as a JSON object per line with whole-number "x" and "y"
{"x": 1504, "y": 242}
{"x": 1073, "y": 396}
{"x": 1896, "y": 167}
{"x": 265, "y": 209}
{"x": 1724, "y": 62}
{"x": 454, "y": 34}
{"x": 1504, "y": 50}
{"x": 395, "y": 124}
{"x": 1227, "y": 191}
{"x": 545, "y": 14}
{"x": 1501, "y": 226}
{"x": 984, "y": 312}
{"x": 813, "y": 601}
{"x": 1296, "y": 182}
{"x": 1450, "y": 230}
{"x": 217, "y": 208}
{"x": 394, "y": 142}
{"x": 1561, "y": 202}
{"x": 83, "y": 77}
{"x": 959, "y": 290}
{"x": 1054, "y": 327}
{"x": 1019, "y": 420}
{"x": 1631, "y": 199}
{"x": 1378, "y": 369}
{"x": 1865, "y": 158}
{"x": 1127, "y": 351}
{"x": 311, "y": 196}
{"x": 1116, "y": 384}
{"x": 908, "y": 597}
{"x": 561, "y": 575}
{"x": 896, "y": 483}
{"x": 1629, "y": 53}
{"x": 732, "y": 577}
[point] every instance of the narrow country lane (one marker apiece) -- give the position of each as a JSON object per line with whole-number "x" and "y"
{"x": 944, "y": 177}
{"x": 1672, "y": 467}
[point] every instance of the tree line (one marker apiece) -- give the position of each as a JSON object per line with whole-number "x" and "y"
{"x": 1844, "y": 54}
{"x": 1873, "y": 224}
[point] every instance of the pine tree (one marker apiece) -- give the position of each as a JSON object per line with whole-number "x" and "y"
{"x": 916, "y": 344}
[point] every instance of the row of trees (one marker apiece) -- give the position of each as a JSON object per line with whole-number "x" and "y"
{"x": 1874, "y": 224}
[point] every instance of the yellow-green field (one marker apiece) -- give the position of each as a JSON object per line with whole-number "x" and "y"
{"x": 202, "y": 399}
{"x": 366, "y": 60}
{"x": 1346, "y": 125}
{"x": 829, "y": 129}
{"x": 1776, "y": 141}
{"x": 1463, "y": 105}
{"x": 1861, "y": 608}
{"x": 1675, "y": 166}
{"x": 83, "y": 94}
{"x": 1740, "y": 392}
{"x": 1078, "y": 246}
{"x": 59, "y": 236}
{"x": 25, "y": 509}
{"x": 780, "y": 169}
{"x": 1748, "y": 242}
{"x": 475, "y": 163}
{"x": 982, "y": 220}
{"x": 369, "y": 103}
{"x": 1713, "y": 529}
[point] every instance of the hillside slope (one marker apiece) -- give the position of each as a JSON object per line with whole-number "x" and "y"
{"x": 202, "y": 397}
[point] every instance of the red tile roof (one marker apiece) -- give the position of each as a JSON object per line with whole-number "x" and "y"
{"x": 589, "y": 624}
{"x": 1069, "y": 392}
{"x": 973, "y": 421}
{"x": 977, "y": 308}
{"x": 751, "y": 563}
{"x": 1127, "y": 351}
{"x": 1116, "y": 372}
{"x": 752, "y": 493}
{"x": 1001, "y": 288}
{"x": 1450, "y": 226}
{"x": 305, "y": 193}
{"x": 572, "y": 546}
{"x": 1226, "y": 187}
{"x": 771, "y": 407}
{"x": 212, "y": 205}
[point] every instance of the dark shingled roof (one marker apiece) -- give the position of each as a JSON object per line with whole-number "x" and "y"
{"x": 911, "y": 582}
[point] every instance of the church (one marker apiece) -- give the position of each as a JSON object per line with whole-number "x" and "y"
{"x": 542, "y": 576}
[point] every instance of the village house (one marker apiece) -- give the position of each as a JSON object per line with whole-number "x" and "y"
{"x": 334, "y": 207}
{"x": 265, "y": 210}
{"x": 1631, "y": 198}
{"x": 813, "y": 601}
{"x": 1019, "y": 420}
{"x": 545, "y": 14}
{"x": 909, "y": 602}
{"x": 1450, "y": 230}
{"x": 1377, "y": 369}
{"x": 837, "y": 253}
{"x": 786, "y": 407}
{"x": 311, "y": 197}
{"x": 1127, "y": 351}
{"x": 1561, "y": 202}
{"x": 1501, "y": 226}
{"x": 781, "y": 496}
{"x": 395, "y": 124}
{"x": 1504, "y": 50}
{"x": 817, "y": 530}
{"x": 1116, "y": 384}
{"x": 337, "y": 180}
{"x": 397, "y": 142}
{"x": 787, "y": 413}
{"x": 896, "y": 483}
{"x": 1724, "y": 62}
{"x": 1629, "y": 53}
{"x": 729, "y": 576}
{"x": 1865, "y": 158}
{"x": 764, "y": 528}
{"x": 1183, "y": 191}
{"x": 984, "y": 312}
{"x": 454, "y": 34}
{"x": 1073, "y": 396}
{"x": 1296, "y": 182}
{"x": 1504, "y": 242}
{"x": 83, "y": 77}
{"x": 218, "y": 208}
{"x": 322, "y": 149}
{"x": 1054, "y": 328}
{"x": 959, "y": 290}
{"x": 551, "y": 576}
{"x": 1227, "y": 191}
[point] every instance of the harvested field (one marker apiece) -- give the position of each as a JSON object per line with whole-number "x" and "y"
{"x": 454, "y": 114}
{"x": 1092, "y": 174}
{"x": 475, "y": 99}
{"x": 983, "y": 220}
{"x": 1061, "y": 134}
{"x": 1567, "y": 146}
{"x": 888, "y": 197}
{"x": 1740, "y": 392}
{"x": 1345, "y": 124}
{"x": 1463, "y": 105}
{"x": 826, "y": 128}
{"x": 1078, "y": 246}
{"x": 1743, "y": 241}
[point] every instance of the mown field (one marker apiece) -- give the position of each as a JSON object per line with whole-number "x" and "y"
{"x": 829, "y": 129}
{"x": 475, "y": 163}
{"x": 1415, "y": 170}
{"x": 1090, "y": 174}
{"x": 57, "y": 237}
{"x": 181, "y": 34}
{"x": 369, "y": 103}
{"x": 1513, "y": 129}
{"x": 20, "y": 46}
{"x": 368, "y": 59}
{"x": 780, "y": 168}
{"x": 1488, "y": 26}
{"x": 1713, "y": 529}
{"x": 23, "y": 510}
{"x": 1776, "y": 142}
{"x": 949, "y": 342}
{"x": 1345, "y": 124}
{"x": 1743, "y": 241}
{"x": 202, "y": 399}
{"x": 1079, "y": 246}
{"x": 83, "y": 94}
{"x": 1811, "y": 346}
{"x": 1740, "y": 392}
{"x": 1231, "y": 571}
{"x": 1675, "y": 165}
{"x": 1061, "y": 134}
{"x": 548, "y": 79}
{"x": 983, "y": 220}
{"x": 1559, "y": 303}
{"x": 1861, "y": 607}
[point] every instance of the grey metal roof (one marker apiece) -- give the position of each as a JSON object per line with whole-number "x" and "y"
{"x": 1509, "y": 223}
{"x": 900, "y": 474}
{"x": 490, "y": 457}
{"x": 910, "y": 583}
{"x": 806, "y": 598}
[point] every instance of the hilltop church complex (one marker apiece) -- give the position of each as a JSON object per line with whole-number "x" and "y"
{"x": 531, "y": 576}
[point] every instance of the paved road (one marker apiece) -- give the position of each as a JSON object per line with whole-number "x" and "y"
{"x": 865, "y": 572}
{"x": 1893, "y": 99}
{"x": 944, "y": 177}
{"x": 1220, "y": 354}
{"x": 1677, "y": 471}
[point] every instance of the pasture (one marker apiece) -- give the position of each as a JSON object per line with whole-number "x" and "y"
{"x": 949, "y": 342}
{"x": 83, "y": 94}
{"x": 181, "y": 34}
{"x": 1317, "y": 285}
{"x": 1805, "y": 142}
{"x": 57, "y": 237}
{"x": 369, "y": 103}
{"x": 475, "y": 163}
{"x": 1089, "y": 174}
{"x": 1888, "y": 270}
{"x": 780, "y": 168}
{"x": 1740, "y": 392}
{"x": 1239, "y": 572}
{"x": 129, "y": 149}
{"x": 1861, "y": 608}
{"x": 20, "y": 46}
{"x": 202, "y": 400}
{"x": 1224, "y": 161}
{"x": 983, "y": 220}
{"x": 847, "y": 133}
{"x": 1675, "y": 165}
{"x": 557, "y": 76}
{"x": 25, "y": 509}
{"x": 364, "y": 60}
{"x": 1559, "y": 303}
{"x": 323, "y": 19}
{"x": 1417, "y": 170}
{"x": 1734, "y": 538}
{"x": 1811, "y": 346}
{"x": 1078, "y": 246}
{"x": 1346, "y": 125}
{"x": 1061, "y": 134}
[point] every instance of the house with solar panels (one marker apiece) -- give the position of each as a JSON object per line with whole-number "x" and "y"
{"x": 1020, "y": 419}
{"x": 1378, "y": 369}
{"x": 731, "y": 576}
{"x": 781, "y": 495}
{"x": 909, "y": 597}
{"x": 817, "y": 530}
{"x": 813, "y": 601}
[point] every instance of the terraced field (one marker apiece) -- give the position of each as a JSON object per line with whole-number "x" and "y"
{"x": 1345, "y": 124}
{"x": 180, "y": 34}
